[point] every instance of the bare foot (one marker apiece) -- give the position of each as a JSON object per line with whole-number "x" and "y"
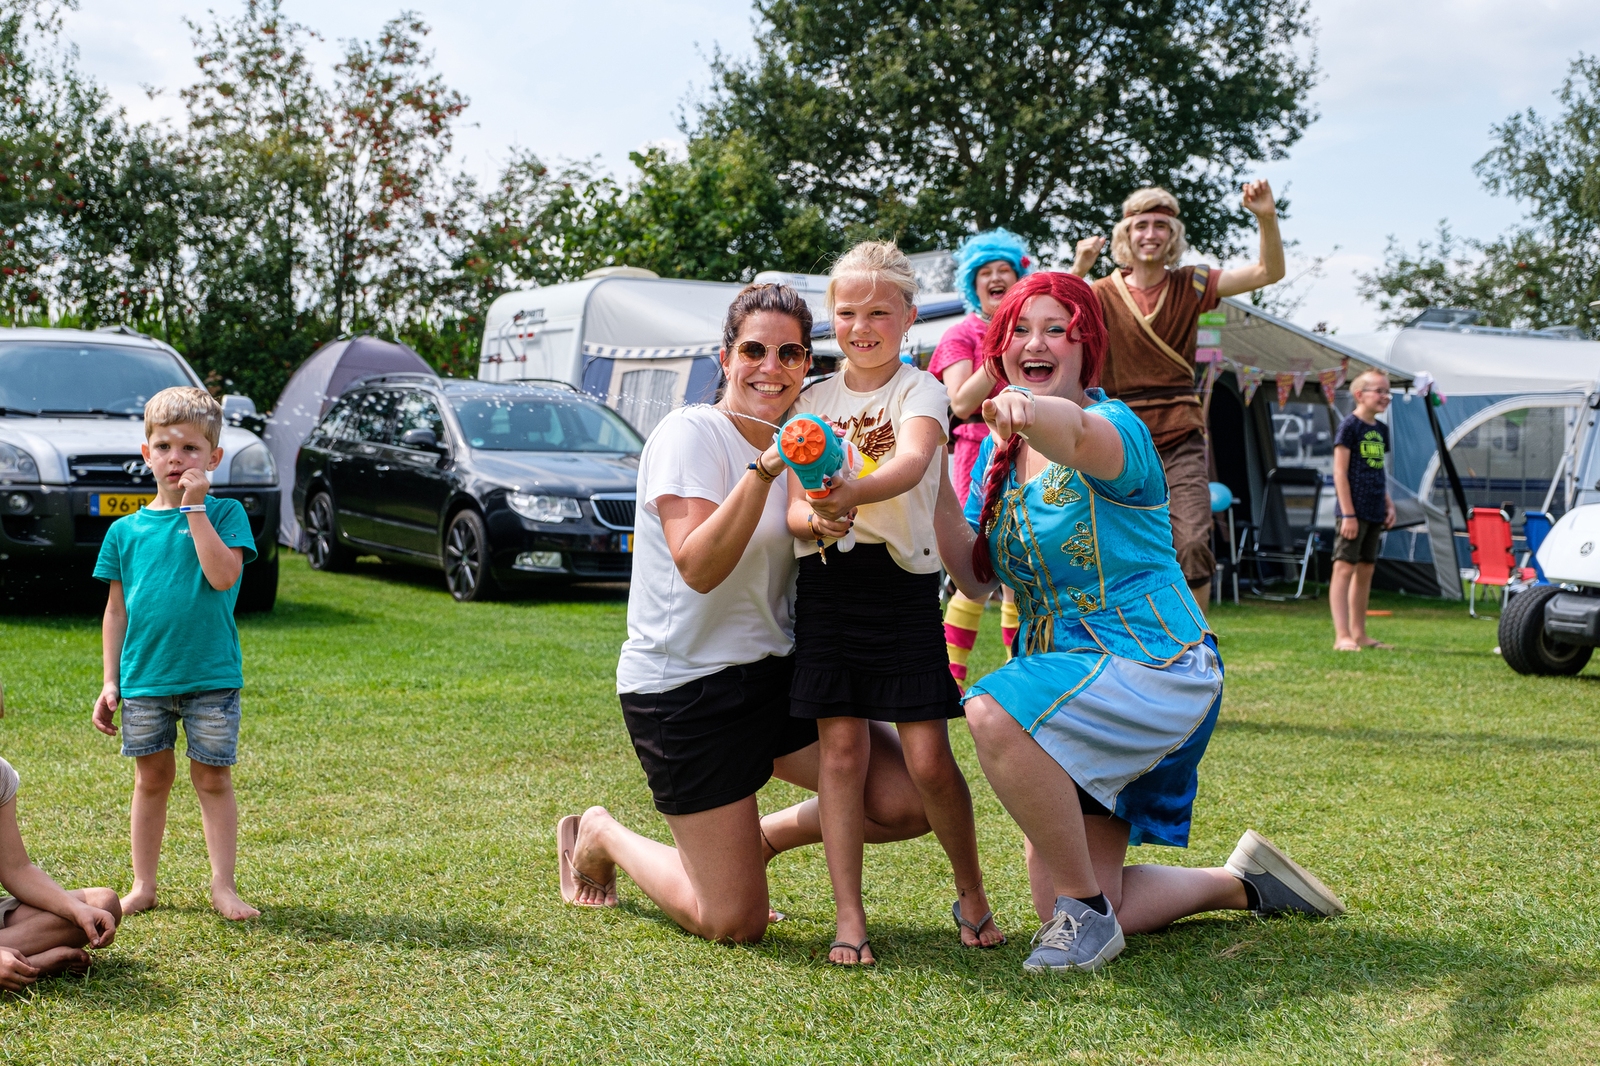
{"x": 1380, "y": 645}
{"x": 1346, "y": 645}
{"x": 974, "y": 906}
{"x": 226, "y": 902}
{"x": 591, "y": 861}
{"x": 140, "y": 897}
{"x": 60, "y": 960}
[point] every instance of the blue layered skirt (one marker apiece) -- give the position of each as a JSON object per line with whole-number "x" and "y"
{"x": 1129, "y": 734}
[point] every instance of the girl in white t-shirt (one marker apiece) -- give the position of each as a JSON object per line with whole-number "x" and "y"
{"x": 704, "y": 678}
{"x": 869, "y": 639}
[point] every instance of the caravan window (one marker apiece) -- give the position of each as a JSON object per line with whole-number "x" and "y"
{"x": 518, "y": 424}
{"x": 1302, "y": 436}
{"x": 1511, "y": 457}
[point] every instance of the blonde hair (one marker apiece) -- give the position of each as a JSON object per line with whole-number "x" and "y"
{"x": 878, "y": 260}
{"x": 1375, "y": 375}
{"x": 1137, "y": 203}
{"x": 184, "y": 405}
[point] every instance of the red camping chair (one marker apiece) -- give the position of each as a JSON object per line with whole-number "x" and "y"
{"x": 1489, "y": 533}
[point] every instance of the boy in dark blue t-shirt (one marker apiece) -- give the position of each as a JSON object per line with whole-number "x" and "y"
{"x": 1364, "y": 512}
{"x": 170, "y": 648}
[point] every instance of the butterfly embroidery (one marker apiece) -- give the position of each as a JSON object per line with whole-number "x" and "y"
{"x": 1055, "y": 490}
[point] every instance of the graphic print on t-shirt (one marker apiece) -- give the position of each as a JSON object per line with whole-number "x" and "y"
{"x": 872, "y": 434}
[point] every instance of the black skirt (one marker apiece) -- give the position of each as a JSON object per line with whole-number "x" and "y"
{"x": 869, "y": 641}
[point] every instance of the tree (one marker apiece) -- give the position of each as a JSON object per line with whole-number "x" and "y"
{"x": 50, "y": 117}
{"x": 388, "y": 131}
{"x": 1542, "y": 273}
{"x": 929, "y": 119}
{"x": 256, "y": 151}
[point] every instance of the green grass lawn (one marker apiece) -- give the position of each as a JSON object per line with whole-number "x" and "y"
{"x": 404, "y": 759}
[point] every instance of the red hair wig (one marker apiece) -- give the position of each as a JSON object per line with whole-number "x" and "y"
{"x": 1088, "y": 321}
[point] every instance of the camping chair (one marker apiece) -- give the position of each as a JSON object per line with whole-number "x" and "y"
{"x": 1535, "y": 527}
{"x": 1293, "y": 554}
{"x": 1489, "y": 534}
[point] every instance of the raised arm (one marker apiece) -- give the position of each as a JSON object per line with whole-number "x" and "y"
{"x": 708, "y": 539}
{"x": 1059, "y": 430}
{"x": 1269, "y": 268}
{"x": 220, "y": 563}
{"x": 975, "y": 386}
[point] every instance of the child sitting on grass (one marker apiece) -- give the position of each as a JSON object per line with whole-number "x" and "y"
{"x": 171, "y": 650}
{"x": 1365, "y": 510}
{"x": 43, "y": 927}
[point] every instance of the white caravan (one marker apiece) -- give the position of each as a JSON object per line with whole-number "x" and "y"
{"x": 642, "y": 345}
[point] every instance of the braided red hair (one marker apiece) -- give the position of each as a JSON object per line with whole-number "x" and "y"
{"x": 1088, "y": 322}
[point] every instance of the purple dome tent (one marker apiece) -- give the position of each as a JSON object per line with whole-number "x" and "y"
{"x": 311, "y": 391}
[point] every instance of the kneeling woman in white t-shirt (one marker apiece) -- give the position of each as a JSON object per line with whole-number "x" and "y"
{"x": 704, "y": 676}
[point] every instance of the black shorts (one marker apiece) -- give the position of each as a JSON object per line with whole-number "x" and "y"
{"x": 1364, "y": 548}
{"x": 869, "y": 641}
{"x": 711, "y": 742}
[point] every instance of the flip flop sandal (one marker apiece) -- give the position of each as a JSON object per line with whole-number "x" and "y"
{"x": 571, "y": 876}
{"x": 976, "y": 928}
{"x": 857, "y": 948}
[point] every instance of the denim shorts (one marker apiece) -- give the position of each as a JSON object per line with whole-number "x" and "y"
{"x": 210, "y": 725}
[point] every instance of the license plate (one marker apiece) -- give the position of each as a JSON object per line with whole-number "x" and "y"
{"x": 117, "y": 504}
{"x": 627, "y": 542}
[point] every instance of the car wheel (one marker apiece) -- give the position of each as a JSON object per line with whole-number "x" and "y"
{"x": 466, "y": 558}
{"x": 323, "y": 549}
{"x": 259, "y": 589}
{"x": 1525, "y": 645}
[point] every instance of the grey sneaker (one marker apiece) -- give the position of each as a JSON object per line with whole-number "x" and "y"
{"x": 1075, "y": 938}
{"x": 1279, "y": 882}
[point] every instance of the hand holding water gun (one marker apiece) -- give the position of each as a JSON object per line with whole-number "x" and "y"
{"x": 821, "y": 461}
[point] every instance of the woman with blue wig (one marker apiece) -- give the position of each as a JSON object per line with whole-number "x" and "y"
{"x": 987, "y": 265}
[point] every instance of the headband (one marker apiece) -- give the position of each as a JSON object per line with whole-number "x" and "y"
{"x": 1158, "y": 209}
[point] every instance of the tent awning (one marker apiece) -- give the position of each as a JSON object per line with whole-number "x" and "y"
{"x": 1254, "y": 342}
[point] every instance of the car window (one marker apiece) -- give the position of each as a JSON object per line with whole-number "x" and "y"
{"x": 78, "y": 378}
{"x": 336, "y": 424}
{"x": 527, "y": 424}
{"x": 416, "y": 410}
{"x": 372, "y": 415}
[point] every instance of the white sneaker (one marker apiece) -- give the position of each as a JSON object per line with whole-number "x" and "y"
{"x": 1280, "y": 883}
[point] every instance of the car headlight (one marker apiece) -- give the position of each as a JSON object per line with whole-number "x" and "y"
{"x": 16, "y": 464}
{"x": 544, "y": 508}
{"x": 253, "y": 466}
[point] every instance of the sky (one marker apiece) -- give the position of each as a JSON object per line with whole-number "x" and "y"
{"x": 1408, "y": 94}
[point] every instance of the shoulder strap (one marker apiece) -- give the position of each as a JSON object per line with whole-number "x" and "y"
{"x": 1144, "y": 323}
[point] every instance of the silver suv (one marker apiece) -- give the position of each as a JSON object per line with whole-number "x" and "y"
{"x": 71, "y": 423}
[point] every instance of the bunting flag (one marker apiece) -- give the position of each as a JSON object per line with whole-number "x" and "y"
{"x": 1213, "y": 370}
{"x": 1250, "y": 378}
{"x": 1284, "y": 383}
{"x": 1299, "y": 378}
{"x": 1330, "y": 382}
{"x": 1344, "y": 372}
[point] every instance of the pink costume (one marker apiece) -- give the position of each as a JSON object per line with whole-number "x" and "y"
{"x": 961, "y": 341}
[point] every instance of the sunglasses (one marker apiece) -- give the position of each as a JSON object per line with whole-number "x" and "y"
{"x": 791, "y": 356}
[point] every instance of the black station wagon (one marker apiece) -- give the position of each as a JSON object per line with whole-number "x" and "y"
{"x": 491, "y": 483}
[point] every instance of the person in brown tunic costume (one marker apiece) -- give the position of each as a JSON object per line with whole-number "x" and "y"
{"x": 1152, "y": 307}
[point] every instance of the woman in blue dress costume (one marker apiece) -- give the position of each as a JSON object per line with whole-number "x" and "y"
{"x": 1092, "y": 734}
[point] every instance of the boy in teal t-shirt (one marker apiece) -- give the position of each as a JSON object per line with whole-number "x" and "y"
{"x": 170, "y": 648}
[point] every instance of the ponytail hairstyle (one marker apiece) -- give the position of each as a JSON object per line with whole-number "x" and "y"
{"x": 1088, "y": 321}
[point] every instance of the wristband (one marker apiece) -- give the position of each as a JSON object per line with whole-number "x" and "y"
{"x": 192, "y": 508}
{"x": 1018, "y": 388}
{"x": 761, "y": 472}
